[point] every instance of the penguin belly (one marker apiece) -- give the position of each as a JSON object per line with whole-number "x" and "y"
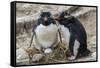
{"x": 46, "y": 36}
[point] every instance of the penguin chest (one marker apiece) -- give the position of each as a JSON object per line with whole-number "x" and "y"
{"x": 46, "y": 35}
{"x": 66, "y": 33}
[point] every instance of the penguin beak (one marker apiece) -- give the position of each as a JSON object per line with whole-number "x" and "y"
{"x": 56, "y": 18}
{"x": 45, "y": 19}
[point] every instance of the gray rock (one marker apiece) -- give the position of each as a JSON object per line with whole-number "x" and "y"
{"x": 37, "y": 57}
{"x": 21, "y": 55}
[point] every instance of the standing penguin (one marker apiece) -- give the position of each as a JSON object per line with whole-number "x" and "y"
{"x": 74, "y": 34}
{"x": 45, "y": 33}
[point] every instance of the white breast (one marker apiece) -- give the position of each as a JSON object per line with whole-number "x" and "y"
{"x": 66, "y": 33}
{"x": 45, "y": 35}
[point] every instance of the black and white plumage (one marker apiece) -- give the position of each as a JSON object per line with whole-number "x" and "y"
{"x": 46, "y": 33}
{"x": 74, "y": 34}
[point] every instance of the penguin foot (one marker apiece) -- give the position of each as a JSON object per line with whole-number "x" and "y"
{"x": 72, "y": 58}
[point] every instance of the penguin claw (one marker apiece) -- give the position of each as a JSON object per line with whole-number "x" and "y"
{"x": 71, "y": 58}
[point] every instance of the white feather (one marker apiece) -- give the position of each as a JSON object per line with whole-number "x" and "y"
{"x": 45, "y": 36}
{"x": 76, "y": 46}
{"x": 66, "y": 34}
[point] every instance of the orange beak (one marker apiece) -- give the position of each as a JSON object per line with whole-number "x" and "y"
{"x": 56, "y": 18}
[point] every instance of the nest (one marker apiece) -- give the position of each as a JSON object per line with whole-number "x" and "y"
{"x": 58, "y": 55}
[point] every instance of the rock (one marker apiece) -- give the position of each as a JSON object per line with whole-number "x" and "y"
{"x": 37, "y": 57}
{"x": 21, "y": 55}
{"x": 26, "y": 13}
{"x": 20, "y": 28}
{"x": 93, "y": 55}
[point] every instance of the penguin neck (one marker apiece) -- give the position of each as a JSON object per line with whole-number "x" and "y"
{"x": 46, "y": 23}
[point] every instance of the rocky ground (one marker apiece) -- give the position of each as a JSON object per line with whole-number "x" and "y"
{"x": 26, "y": 17}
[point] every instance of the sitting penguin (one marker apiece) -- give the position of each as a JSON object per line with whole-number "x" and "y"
{"x": 74, "y": 34}
{"x": 45, "y": 33}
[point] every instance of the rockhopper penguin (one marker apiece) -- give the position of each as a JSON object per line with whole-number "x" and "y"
{"x": 74, "y": 34}
{"x": 45, "y": 33}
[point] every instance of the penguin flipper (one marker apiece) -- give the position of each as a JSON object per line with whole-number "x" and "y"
{"x": 35, "y": 24}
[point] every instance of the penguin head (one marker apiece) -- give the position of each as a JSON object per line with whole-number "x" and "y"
{"x": 45, "y": 14}
{"x": 62, "y": 15}
{"x": 63, "y": 18}
{"x": 46, "y": 19}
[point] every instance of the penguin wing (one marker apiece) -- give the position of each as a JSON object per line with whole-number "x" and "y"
{"x": 36, "y": 23}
